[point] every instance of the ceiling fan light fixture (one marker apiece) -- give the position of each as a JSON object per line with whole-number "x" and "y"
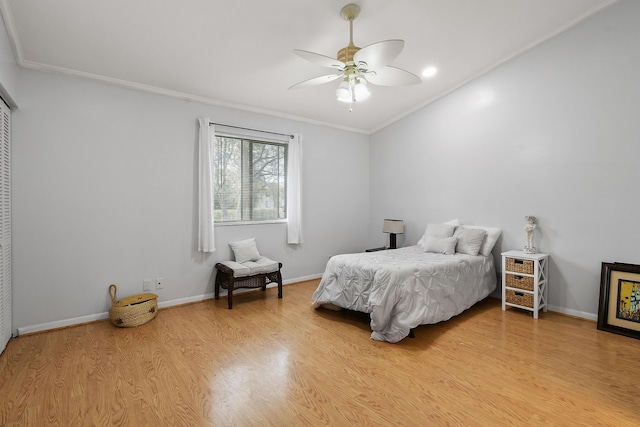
{"x": 343, "y": 92}
{"x": 352, "y": 90}
{"x": 360, "y": 90}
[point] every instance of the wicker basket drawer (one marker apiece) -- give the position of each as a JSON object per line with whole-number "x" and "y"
{"x": 516, "y": 265}
{"x": 520, "y": 282}
{"x": 520, "y": 298}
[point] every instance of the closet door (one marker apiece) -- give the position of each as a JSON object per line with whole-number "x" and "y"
{"x": 5, "y": 225}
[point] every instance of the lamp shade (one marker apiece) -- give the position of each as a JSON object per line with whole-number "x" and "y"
{"x": 344, "y": 92}
{"x": 395, "y": 226}
{"x": 360, "y": 91}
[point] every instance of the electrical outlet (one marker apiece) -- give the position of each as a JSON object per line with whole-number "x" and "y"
{"x": 159, "y": 283}
{"x": 146, "y": 285}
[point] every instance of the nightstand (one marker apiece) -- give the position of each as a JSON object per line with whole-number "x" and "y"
{"x": 525, "y": 281}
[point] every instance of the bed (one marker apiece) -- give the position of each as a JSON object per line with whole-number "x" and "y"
{"x": 427, "y": 283}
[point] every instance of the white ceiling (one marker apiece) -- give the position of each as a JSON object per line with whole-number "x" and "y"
{"x": 239, "y": 53}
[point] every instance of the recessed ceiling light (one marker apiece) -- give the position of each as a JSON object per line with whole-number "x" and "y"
{"x": 429, "y": 72}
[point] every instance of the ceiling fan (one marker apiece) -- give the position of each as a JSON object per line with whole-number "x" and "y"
{"x": 359, "y": 66}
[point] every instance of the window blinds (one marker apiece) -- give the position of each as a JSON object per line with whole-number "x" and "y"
{"x": 5, "y": 226}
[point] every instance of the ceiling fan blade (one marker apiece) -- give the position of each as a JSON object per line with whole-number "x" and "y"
{"x": 317, "y": 81}
{"x": 379, "y": 54}
{"x": 392, "y": 76}
{"x": 322, "y": 60}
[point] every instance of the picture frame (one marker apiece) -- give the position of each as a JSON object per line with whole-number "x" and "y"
{"x": 619, "y": 307}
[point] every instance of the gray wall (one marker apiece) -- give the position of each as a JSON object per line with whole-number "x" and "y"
{"x": 104, "y": 186}
{"x": 553, "y": 133}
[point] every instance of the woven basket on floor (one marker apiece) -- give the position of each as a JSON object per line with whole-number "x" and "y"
{"x": 132, "y": 311}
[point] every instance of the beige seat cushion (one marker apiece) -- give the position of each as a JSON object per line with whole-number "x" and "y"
{"x": 262, "y": 265}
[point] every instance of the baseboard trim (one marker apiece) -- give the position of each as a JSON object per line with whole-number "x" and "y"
{"x": 574, "y": 313}
{"x": 65, "y": 323}
{"x": 58, "y": 324}
{"x": 302, "y": 279}
{"x": 186, "y": 300}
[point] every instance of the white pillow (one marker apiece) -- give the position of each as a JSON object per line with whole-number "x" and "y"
{"x": 440, "y": 230}
{"x": 440, "y": 245}
{"x": 469, "y": 240}
{"x": 445, "y": 229}
{"x": 493, "y": 234}
{"x": 245, "y": 250}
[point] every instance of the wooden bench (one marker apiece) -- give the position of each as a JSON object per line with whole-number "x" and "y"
{"x": 233, "y": 275}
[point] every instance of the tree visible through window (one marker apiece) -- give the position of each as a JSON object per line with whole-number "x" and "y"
{"x": 250, "y": 180}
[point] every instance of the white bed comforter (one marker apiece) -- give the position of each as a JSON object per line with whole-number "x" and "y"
{"x": 406, "y": 287}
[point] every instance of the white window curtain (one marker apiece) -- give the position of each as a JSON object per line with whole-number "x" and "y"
{"x": 205, "y": 203}
{"x": 294, "y": 191}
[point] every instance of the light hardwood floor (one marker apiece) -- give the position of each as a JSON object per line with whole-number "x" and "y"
{"x": 271, "y": 362}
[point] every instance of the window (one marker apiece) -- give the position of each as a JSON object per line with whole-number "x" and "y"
{"x": 250, "y": 179}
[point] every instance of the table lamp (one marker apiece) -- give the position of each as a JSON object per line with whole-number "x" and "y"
{"x": 393, "y": 227}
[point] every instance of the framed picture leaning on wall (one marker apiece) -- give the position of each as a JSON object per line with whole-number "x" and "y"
{"x": 619, "y": 309}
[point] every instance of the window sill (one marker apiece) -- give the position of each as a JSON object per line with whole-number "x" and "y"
{"x": 233, "y": 223}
